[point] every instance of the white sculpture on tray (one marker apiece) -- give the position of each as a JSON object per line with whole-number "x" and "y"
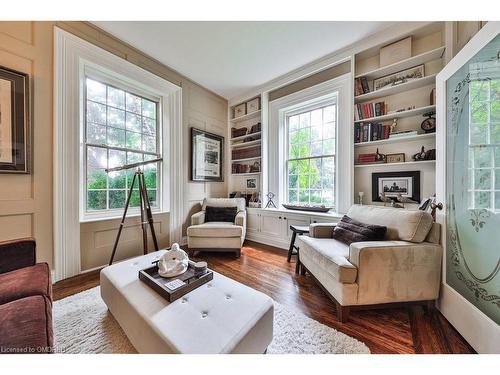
{"x": 174, "y": 262}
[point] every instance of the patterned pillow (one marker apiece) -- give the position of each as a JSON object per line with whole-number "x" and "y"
{"x": 220, "y": 214}
{"x": 349, "y": 230}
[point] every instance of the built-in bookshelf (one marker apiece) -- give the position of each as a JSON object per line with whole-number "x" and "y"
{"x": 398, "y": 108}
{"x": 245, "y": 146}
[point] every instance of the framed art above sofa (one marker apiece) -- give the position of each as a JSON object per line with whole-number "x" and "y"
{"x": 406, "y": 183}
{"x": 15, "y": 152}
{"x": 207, "y": 155}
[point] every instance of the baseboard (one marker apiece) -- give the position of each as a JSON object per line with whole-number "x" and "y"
{"x": 482, "y": 333}
{"x": 268, "y": 241}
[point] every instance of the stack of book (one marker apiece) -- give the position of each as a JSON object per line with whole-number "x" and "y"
{"x": 404, "y": 133}
{"x": 367, "y": 110}
{"x": 367, "y": 158}
{"x": 361, "y": 86}
{"x": 368, "y": 132}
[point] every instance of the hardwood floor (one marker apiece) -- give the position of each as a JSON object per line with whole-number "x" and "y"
{"x": 402, "y": 330}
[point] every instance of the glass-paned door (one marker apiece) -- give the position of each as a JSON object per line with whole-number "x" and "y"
{"x": 473, "y": 180}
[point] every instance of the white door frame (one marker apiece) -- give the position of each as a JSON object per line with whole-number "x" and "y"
{"x": 478, "y": 329}
{"x": 71, "y": 56}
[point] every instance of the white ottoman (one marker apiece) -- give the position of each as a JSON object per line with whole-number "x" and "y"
{"x": 222, "y": 316}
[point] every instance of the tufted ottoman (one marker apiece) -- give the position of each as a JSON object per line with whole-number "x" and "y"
{"x": 222, "y": 316}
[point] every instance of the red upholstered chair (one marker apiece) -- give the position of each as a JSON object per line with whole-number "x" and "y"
{"x": 25, "y": 299}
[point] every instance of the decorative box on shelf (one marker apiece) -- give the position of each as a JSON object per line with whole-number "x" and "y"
{"x": 240, "y": 110}
{"x": 253, "y": 105}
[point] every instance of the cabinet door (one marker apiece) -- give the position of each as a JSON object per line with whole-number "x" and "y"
{"x": 302, "y": 221}
{"x": 253, "y": 223}
{"x": 271, "y": 225}
{"x": 320, "y": 219}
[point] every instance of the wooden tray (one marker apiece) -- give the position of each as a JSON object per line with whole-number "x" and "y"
{"x": 151, "y": 277}
{"x": 307, "y": 208}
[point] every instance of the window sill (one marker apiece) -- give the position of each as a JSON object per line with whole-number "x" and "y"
{"x": 91, "y": 219}
{"x": 302, "y": 213}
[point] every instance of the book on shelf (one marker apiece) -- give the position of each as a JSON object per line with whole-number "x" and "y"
{"x": 368, "y": 110}
{"x": 361, "y": 86}
{"x": 371, "y": 131}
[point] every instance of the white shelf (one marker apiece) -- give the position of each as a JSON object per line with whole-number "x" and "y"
{"x": 247, "y": 159}
{"x": 245, "y": 136}
{"x": 394, "y": 164}
{"x": 404, "y": 64}
{"x": 246, "y": 144}
{"x": 417, "y": 137}
{"x": 415, "y": 84}
{"x": 246, "y": 117}
{"x": 408, "y": 113}
{"x": 245, "y": 174}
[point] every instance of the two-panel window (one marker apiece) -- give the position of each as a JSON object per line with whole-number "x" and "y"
{"x": 310, "y": 164}
{"x": 121, "y": 127}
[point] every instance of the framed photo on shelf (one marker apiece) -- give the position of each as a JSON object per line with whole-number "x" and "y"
{"x": 398, "y": 78}
{"x": 395, "y": 158}
{"x": 251, "y": 183}
{"x": 406, "y": 183}
{"x": 15, "y": 127}
{"x": 207, "y": 155}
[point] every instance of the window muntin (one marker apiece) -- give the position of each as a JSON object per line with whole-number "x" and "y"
{"x": 310, "y": 164}
{"x": 484, "y": 144}
{"x": 121, "y": 127}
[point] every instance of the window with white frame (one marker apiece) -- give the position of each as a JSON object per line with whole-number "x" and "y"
{"x": 484, "y": 143}
{"x": 121, "y": 127}
{"x": 310, "y": 164}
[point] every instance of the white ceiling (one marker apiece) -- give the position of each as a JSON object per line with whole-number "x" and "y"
{"x": 231, "y": 58}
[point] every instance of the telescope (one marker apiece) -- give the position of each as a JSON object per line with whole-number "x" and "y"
{"x": 144, "y": 204}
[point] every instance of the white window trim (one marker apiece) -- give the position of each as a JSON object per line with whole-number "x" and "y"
{"x": 274, "y": 165}
{"x": 140, "y": 89}
{"x": 72, "y": 56}
{"x": 329, "y": 99}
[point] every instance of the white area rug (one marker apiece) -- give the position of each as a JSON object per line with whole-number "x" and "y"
{"x": 82, "y": 324}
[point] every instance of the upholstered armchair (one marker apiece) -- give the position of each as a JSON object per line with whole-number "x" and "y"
{"x": 218, "y": 235}
{"x": 404, "y": 267}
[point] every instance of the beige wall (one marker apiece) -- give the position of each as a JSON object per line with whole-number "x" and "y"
{"x": 26, "y": 201}
{"x": 312, "y": 80}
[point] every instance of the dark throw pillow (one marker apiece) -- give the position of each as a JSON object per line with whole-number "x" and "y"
{"x": 349, "y": 230}
{"x": 220, "y": 214}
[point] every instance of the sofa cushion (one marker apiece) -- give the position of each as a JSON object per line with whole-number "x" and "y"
{"x": 26, "y": 325}
{"x": 24, "y": 282}
{"x": 215, "y": 229}
{"x": 349, "y": 230}
{"x": 404, "y": 225}
{"x": 329, "y": 254}
{"x": 225, "y": 214}
{"x": 224, "y": 202}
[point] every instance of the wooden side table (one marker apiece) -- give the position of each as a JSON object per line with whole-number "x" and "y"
{"x": 300, "y": 230}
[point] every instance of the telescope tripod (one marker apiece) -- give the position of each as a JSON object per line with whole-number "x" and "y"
{"x": 146, "y": 215}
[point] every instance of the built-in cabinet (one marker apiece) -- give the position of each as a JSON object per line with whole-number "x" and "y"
{"x": 272, "y": 227}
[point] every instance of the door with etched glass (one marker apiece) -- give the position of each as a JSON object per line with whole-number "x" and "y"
{"x": 470, "y": 162}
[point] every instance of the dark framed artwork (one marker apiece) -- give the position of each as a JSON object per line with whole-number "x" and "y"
{"x": 15, "y": 129}
{"x": 393, "y": 183}
{"x": 207, "y": 156}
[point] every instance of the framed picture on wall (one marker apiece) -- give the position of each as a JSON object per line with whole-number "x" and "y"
{"x": 207, "y": 155}
{"x": 393, "y": 183}
{"x": 15, "y": 132}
